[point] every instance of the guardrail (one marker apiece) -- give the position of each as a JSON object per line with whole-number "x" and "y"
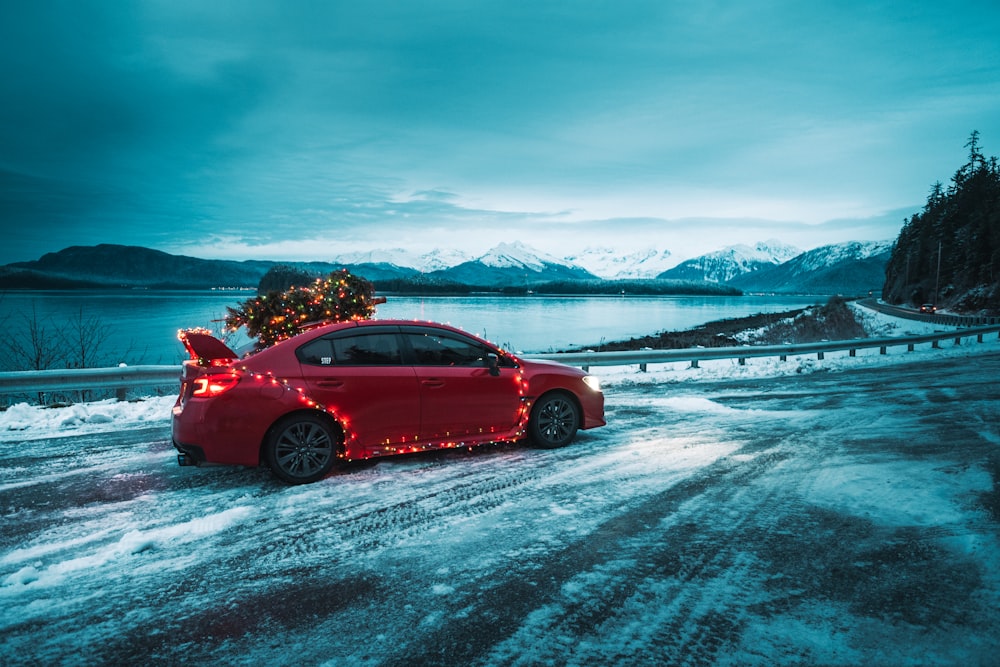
{"x": 944, "y": 319}
{"x": 126, "y": 377}
{"x": 694, "y": 355}
{"x": 119, "y": 378}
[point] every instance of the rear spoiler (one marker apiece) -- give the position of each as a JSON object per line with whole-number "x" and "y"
{"x": 205, "y": 348}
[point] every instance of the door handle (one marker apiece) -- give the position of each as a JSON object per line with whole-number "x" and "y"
{"x": 433, "y": 383}
{"x": 330, "y": 383}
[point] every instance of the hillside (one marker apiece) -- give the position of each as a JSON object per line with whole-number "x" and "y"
{"x": 842, "y": 268}
{"x": 512, "y": 264}
{"x": 950, "y": 252}
{"x": 109, "y": 265}
{"x": 723, "y": 266}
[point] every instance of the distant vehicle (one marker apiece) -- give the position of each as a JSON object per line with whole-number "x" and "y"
{"x": 928, "y": 308}
{"x": 358, "y": 390}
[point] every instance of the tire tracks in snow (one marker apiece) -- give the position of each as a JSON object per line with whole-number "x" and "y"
{"x": 652, "y": 549}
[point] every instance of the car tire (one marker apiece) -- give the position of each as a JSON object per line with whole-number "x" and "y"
{"x": 554, "y": 420}
{"x": 302, "y": 448}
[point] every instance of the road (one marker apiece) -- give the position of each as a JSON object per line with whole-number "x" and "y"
{"x": 937, "y": 317}
{"x": 836, "y": 518}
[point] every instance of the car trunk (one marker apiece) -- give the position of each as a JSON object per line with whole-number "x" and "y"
{"x": 205, "y": 348}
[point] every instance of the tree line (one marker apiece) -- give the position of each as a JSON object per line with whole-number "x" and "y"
{"x": 949, "y": 253}
{"x": 76, "y": 340}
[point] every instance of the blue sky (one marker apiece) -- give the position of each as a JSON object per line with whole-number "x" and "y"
{"x": 301, "y": 129}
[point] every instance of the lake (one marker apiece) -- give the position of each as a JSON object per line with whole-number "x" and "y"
{"x": 140, "y": 327}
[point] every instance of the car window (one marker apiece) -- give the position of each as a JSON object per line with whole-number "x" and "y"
{"x": 379, "y": 349}
{"x": 362, "y": 349}
{"x": 440, "y": 349}
{"x": 318, "y": 352}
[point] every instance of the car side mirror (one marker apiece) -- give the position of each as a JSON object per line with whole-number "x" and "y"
{"x": 493, "y": 361}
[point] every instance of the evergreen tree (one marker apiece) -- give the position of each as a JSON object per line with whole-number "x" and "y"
{"x": 950, "y": 252}
{"x": 275, "y": 316}
{"x": 281, "y": 277}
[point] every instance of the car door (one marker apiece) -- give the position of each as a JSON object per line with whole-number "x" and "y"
{"x": 361, "y": 375}
{"x": 459, "y": 395}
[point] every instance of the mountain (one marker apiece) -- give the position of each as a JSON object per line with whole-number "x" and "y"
{"x": 843, "y": 268}
{"x": 110, "y": 265}
{"x": 435, "y": 260}
{"x": 610, "y": 264}
{"x": 369, "y": 270}
{"x": 513, "y": 264}
{"x": 723, "y": 266}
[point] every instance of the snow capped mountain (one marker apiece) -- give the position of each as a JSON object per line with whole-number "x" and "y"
{"x": 517, "y": 255}
{"x": 778, "y": 252}
{"x": 613, "y": 265}
{"x": 439, "y": 259}
{"x": 435, "y": 260}
{"x": 514, "y": 263}
{"x": 830, "y": 255}
{"x": 731, "y": 262}
{"x": 854, "y": 267}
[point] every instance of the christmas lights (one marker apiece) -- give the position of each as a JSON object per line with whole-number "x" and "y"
{"x": 275, "y": 316}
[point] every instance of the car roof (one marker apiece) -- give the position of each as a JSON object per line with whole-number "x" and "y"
{"x": 336, "y": 326}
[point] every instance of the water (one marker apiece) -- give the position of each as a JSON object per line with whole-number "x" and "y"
{"x": 140, "y": 327}
{"x": 551, "y": 323}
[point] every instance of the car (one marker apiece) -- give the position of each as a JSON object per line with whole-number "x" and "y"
{"x": 928, "y": 308}
{"x": 370, "y": 388}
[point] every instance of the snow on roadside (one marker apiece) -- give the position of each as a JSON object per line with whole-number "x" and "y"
{"x": 880, "y": 325}
{"x": 21, "y": 422}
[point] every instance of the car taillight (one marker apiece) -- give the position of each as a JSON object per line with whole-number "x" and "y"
{"x": 209, "y": 386}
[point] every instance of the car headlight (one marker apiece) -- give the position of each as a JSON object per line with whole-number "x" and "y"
{"x": 592, "y": 381}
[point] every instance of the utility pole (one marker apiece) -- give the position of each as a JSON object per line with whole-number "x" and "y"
{"x": 937, "y": 280}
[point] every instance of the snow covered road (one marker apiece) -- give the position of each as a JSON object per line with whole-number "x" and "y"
{"x": 839, "y": 518}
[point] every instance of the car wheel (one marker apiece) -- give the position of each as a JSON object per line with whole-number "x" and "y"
{"x": 302, "y": 448}
{"x": 554, "y": 420}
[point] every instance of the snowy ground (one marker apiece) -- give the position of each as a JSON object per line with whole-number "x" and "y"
{"x": 840, "y": 511}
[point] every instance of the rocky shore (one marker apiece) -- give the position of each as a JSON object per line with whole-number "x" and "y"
{"x": 832, "y": 321}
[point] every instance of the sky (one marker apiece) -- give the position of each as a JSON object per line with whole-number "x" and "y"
{"x": 276, "y": 129}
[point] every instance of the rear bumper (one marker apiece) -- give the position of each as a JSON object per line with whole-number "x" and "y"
{"x": 189, "y": 455}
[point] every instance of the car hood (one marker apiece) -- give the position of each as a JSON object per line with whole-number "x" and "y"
{"x": 546, "y": 365}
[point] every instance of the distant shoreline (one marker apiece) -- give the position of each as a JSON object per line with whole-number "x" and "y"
{"x": 250, "y": 292}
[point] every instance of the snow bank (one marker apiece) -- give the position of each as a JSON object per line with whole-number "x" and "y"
{"x": 22, "y": 421}
{"x": 881, "y": 325}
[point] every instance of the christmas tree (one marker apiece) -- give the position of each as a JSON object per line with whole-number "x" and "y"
{"x": 275, "y": 316}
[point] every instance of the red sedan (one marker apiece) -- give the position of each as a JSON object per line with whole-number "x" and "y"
{"x": 358, "y": 390}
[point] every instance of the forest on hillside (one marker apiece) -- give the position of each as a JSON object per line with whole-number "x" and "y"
{"x": 949, "y": 253}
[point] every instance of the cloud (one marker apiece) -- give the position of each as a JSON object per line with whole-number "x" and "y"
{"x": 272, "y": 124}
